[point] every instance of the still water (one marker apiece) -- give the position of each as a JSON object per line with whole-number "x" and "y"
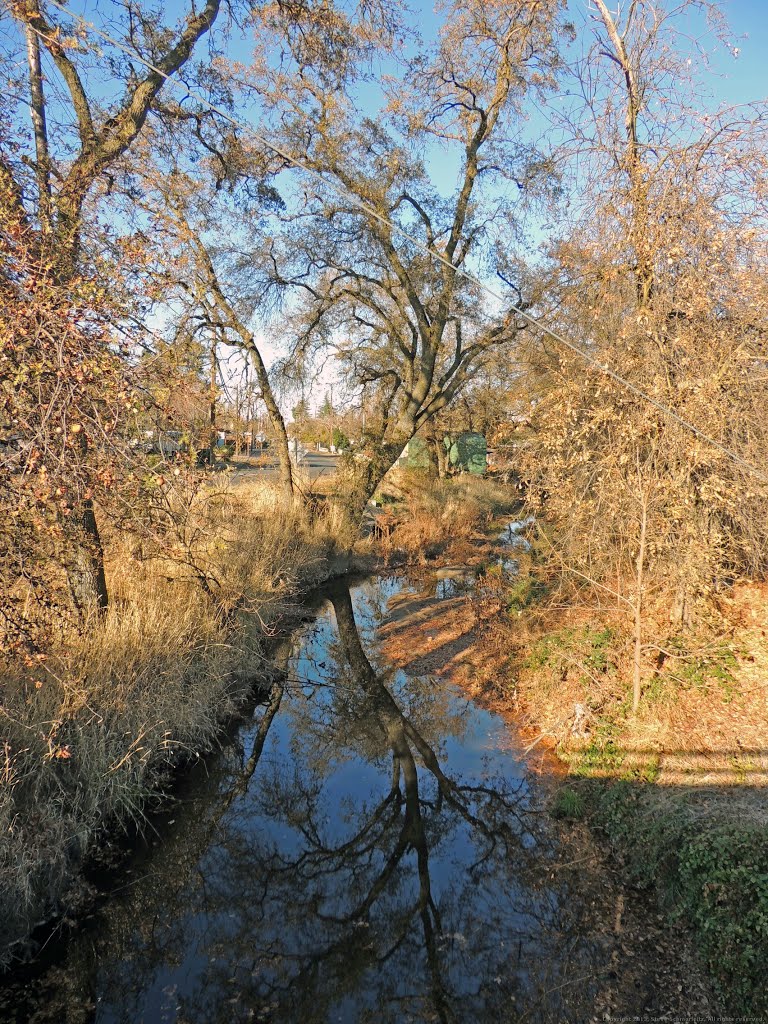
{"x": 367, "y": 849}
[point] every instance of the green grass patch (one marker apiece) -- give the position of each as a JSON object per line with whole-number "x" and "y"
{"x": 569, "y": 804}
{"x": 523, "y": 591}
{"x": 716, "y": 668}
{"x": 601, "y": 757}
{"x": 592, "y": 648}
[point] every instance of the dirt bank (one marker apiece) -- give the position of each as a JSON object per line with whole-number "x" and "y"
{"x": 678, "y": 790}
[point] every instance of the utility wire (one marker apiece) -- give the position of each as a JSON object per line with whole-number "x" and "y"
{"x": 366, "y": 208}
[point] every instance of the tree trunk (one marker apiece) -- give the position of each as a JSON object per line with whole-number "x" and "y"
{"x": 212, "y": 396}
{"x": 85, "y": 564}
{"x": 37, "y": 108}
{"x": 84, "y": 561}
{"x": 284, "y": 458}
{"x": 639, "y": 571}
{"x": 438, "y": 453}
{"x": 369, "y": 473}
{"x": 638, "y": 186}
{"x": 433, "y": 452}
{"x": 442, "y": 459}
{"x": 222, "y": 308}
{"x": 277, "y": 421}
{"x": 680, "y": 613}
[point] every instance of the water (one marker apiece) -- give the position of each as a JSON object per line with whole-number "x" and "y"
{"x": 461, "y": 580}
{"x": 369, "y": 849}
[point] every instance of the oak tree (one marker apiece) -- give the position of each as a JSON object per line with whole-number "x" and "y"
{"x": 370, "y": 251}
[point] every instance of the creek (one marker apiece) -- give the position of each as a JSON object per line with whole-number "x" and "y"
{"x": 368, "y": 847}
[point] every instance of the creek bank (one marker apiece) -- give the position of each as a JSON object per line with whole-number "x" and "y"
{"x": 371, "y": 845}
{"x": 48, "y": 856}
{"x": 682, "y": 804}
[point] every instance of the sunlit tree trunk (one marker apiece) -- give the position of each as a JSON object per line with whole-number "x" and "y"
{"x": 213, "y": 391}
{"x": 638, "y": 608}
{"x": 633, "y": 165}
{"x": 37, "y": 109}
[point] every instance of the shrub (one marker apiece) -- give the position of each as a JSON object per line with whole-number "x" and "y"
{"x": 722, "y": 875}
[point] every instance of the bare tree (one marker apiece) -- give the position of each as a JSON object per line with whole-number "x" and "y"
{"x": 408, "y": 327}
{"x": 215, "y": 302}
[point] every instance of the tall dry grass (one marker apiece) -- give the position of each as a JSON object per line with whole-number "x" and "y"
{"x": 442, "y": 512}
{"x": 90, "y": 730}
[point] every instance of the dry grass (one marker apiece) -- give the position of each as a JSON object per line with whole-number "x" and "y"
{"x": 566, "y": 667}
{"x": 91, "y": 729}
{"x": 702, "y": 721}
{"x": 439, "y": 513}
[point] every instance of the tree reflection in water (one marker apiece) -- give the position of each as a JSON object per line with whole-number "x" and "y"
{"x": 342, "y": 869}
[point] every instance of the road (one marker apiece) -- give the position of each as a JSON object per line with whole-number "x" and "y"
{"x": 315, "y": 464}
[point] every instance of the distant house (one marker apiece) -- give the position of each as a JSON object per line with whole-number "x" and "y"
{"x": 167, "y": 443}
{"x": 170, "y": 443}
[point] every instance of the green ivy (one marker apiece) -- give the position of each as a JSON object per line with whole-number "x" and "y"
{"x": 712, "y": 875}
{"x": 723, "y": 883}
{"x": 593, "y": 648}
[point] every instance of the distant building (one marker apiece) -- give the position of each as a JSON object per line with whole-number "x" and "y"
{"x": 416, "y": 454}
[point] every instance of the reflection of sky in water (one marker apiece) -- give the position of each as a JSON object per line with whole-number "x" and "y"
{"x": 380, "y": 864}
{"x": 511, "y": 535}
{"x": 458, "y": 581}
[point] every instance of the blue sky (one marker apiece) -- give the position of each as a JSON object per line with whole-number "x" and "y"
{"x": 745, "y": 78}
{"x": 733, "y": 80}
{"x": 742, "y": 79}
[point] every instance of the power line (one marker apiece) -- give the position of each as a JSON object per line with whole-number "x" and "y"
{"x": 344, "y": 193}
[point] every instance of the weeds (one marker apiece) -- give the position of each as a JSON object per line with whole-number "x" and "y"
{"x": 601, "y": 757}
{"x": 443, "y": 512}
{"x": 717, "y": 668}
{"x": 587, "y": 650}
{"x": 569, "y": 804}
{"x": 722, "y": 877}
{"x": 92, "y": 727}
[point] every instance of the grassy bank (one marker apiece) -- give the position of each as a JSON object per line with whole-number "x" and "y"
{"x": 679, "y": 788}
{"x": 92, "y": 729}
{"x": 427, "y": 518}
